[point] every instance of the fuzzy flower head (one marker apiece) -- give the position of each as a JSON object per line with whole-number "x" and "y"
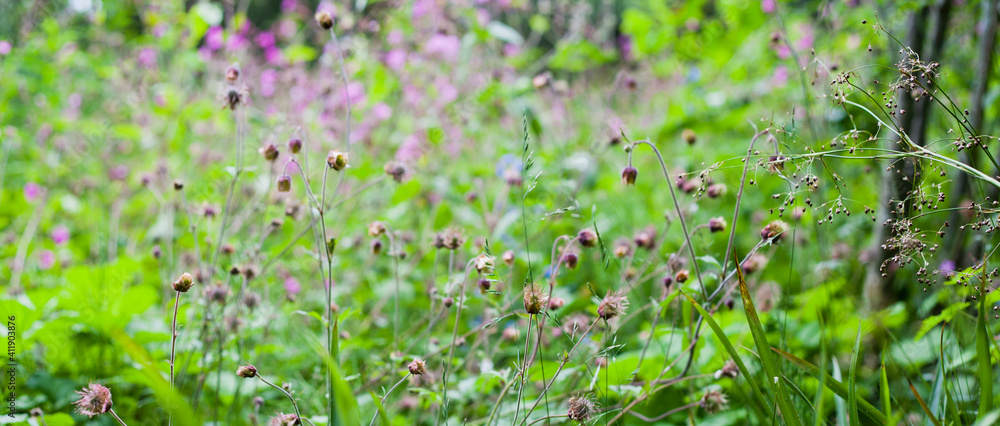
{"x": 581, "y": 408}
{"x": 183, "y": 283}
{"x": 376, "y": 229}
{"x": 614, "y": 304}
{"x": 95, "y": 399}
{"x": 587, "y": 238}
{"x": 450, "y": 239}
{"x": 284, "y": 420}
{"x": 774, "y": 230}
{"x": 714, "y": 401}
{"x": 484, "y": 264}
{"x": 246, "y": 371}
{"x": 535, "y": 299}
{"x": 417, "y": 367}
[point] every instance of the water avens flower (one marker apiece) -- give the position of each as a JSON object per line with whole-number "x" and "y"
{"x": 183, "y": 283}
{"x": 337, "y": 160}
{"x": 614, "y": 304}
{"x": 95, "y": 399}
{"x": 629, "y": 174}
{"x": 417, "y": 367}
{"x": 284, "y": 183}
{"x": 246, "y": 371}
{"x": 535, "y": 299}
{"x": 581, "y": 408}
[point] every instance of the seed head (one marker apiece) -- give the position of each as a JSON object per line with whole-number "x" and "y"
{"x": 396, "y": 170}
{"x": 774, "y": 230}
{"x": 417, "y": 367}
{"x": 614, "y": 304}
{"x": 217, "y": 293}
{"x": 337, "y": 160}
{"x": 682, "y": 275}
{"x": 717, "y": 224}
{"x": 284, "y": 183}
{"x": 183, "y": 283}
{"x": 629, "y": 174}
{"x": 284, "y": 420}
{"x": 714, "y": 401}
{"x": 729, "y": 370}
{"x": 450, "y": 238}
{"x": 484, "y": 264}
{"x": 324, "y": 20}
{"x": 95, "y": 399}
{"x": 251, "y": 301}
{"x": 581, "y": 408}
{"x": 587, "y": 238}
{"x": 535, "y": 299}
{"x": 269, "y": 151}
{"x": 246, "y": 371}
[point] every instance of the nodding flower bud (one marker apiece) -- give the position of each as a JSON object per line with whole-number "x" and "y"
{"x": 729, "y": 371}
{"x": 715, "y": 190}
{"x": 95, "y": 399}
{"x": 513, "y": 177}
{"x": 774, "y": 231}
{"x": 485, "y": 284}
{"x": 324, "y": 20}
{"x": 508, "y": 257}
{"x": 269, "y": 151}
{"x": 484, "y": 264}
{"x": 36, "y": 412}
{"x": 376, "y": 246}
{"x": 376, "y": 229}
{"x": 581, "y": 409}
{"x": 178, "y": 185}
{"x": 294, "y": 145}
{"x": 337, "y": 160}
{"x": 450, "y": 238}
{"x": 587, "y": 238}
{"x": 622, "y": 248}
{"x": 682, "y": 275}
{"x": 535, "y": 299}
{"x": 246, "y": 371}
{"x": 417, "y": 367}
{"x": 689, "y": 136}
{"x": 183, "y": 283}
{"x": 629, "y": 174}
{"x": 284, "y": 183}
{"x": 233, "y": 72}
{"x": 395, "y": 170}
{"x": 614, "y": 304}
{"x": 714, "y": 401}
{"x": 556, "y": 303}
{"x": 646, "y": 238}
{"x": 448, "y": 302}
{"x": 570, "y": 260}
{"x": 717, "y": 224}
{"x": 668, "y": 281}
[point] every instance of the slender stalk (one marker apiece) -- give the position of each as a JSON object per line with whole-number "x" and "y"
{"x": 454, "y": 337}
{"x": 294, "y": 405}
{"x": 554, "y": 416}
{"x": 382, "y": 401}
{"x": 559, "y": 370}
{"x": 173, "y": 347}
{"x": 665, "y": 415}
{"x": 115, "y": 415}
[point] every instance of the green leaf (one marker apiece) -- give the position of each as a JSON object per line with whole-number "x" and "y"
{"x": 381, "y": 410}
{"x": 754, "y": 388}
{"x": 884, "y": 390}
{"x": 852, "y": 393}
{"x": 788, "y": 411}
{"x": 406, "y": 191}
{"x": 443, "y": 217}
{"x": 300, "y": 53}
{"x": 945, "y": 316}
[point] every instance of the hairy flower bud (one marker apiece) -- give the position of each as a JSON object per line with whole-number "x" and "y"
{"x": 246, "y": 371}
{"x": 629, "y": 174}
{"x": 294, "y": 145}
{"x": 337, "y": 160}
{"x": 535, "y": 299}
{"x": 614, "y": 304}
{"x": 774, "y": 230}
{"x": 587, "y": 238}
{"x": 581, "y": 409}
{"x": 324, "y": 20}
{"x": 717, "y": 224}
{"x": 95, "y": 399}
{"x": 269, "y": 151}
{"x": 417, "y": 367}
{"x": 284, "y": 183}
{"x": 183, "y": 283}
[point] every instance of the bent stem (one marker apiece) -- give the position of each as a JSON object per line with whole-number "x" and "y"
{"x": 382, "y": 401}
{"x": 294, "y": 405}
{"x": 559, "y": 370}
{"x": 115, "y": 415}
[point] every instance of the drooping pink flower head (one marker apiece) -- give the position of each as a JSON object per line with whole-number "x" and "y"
{"x": 95, "y": 400}
{"x": 60, "y": 234}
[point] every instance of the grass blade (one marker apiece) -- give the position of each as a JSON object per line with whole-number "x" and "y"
{"x": 834, "y": 385}
{"x": 788, "y": 411}
{"x": 920, "y": 400}
{"x": 852, "y": 391}
{"x": 754, "y": 388}
{"x": 983, "y": 358}
{"x": 884, "y": 390}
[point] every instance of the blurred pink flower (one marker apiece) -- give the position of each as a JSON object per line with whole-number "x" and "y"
{"x": 395, "y": 59}
{"x": 768, "y": 6}
{"x": 292, "y": 286}
{"x": 274, "y": 56}
{"x": 33, "y": 191}
{"x": 381, "y": 111}
{"x": 146, "y": 57}
{"x": 412, "y": 95}
{"x": 409, "y": 150}
{"x": 511, "y": 49}
{"x": 443, "y": 46}
{"x": 805, "y": 41}
{"x": 482, "y": 16}
{"x": 46, "y": 259}
{"x": 780, "y": 77}
{"x": 783, "y": 51}
{"x": 214, "y": 38}
{"x": 265, "y": 40}
{"x": 119, "y": 172}
{"x": 74, "y": 101}
{"x": 159, "y": 30}
{"x": 355, "y": 91}
{"x": 422, "y": 7}
{"x": 267, "y": 79}
{"x": 4, "y": 47}
{"x": 288, "y": 5}
{"x": 395, "y": 37}
{"x": 447, "y": 92}
{"x": 60, "y": 234}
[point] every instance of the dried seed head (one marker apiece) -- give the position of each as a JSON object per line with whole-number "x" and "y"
{"x": 95, "y": 399}
{"x": 729, "y": 371}
{"x": 217, "y": 293}
{"x": 587, "y": 238}
{"x": 337, "y": 160}
{"x": 376, "y": 229}
{"x": 682, "y": 275}
{"x": 417, "y": 367}
{"x": 183, "y": 283}
{"x": 324, "y": 20}
{"x": 294, "y": 145}
{"x": 508, "y": 257}
{"x": 556, "y": 303}
{"x": 246, "y": 371}
{"x": 629, "y": 174}
{"x": 535, "y": 299}
{"x": 774, "y": 231}
{"x": 714, "y": 401}
{"x": 614, "y": 304}
{"x": 689, "y": 136}
{"x": 284, "y": 420}
{"x": 396, "y": 170}
{"x": 484, "y": 264}
{"x": 269, "y": 151}
{"x": 717, "y": 224}
{"x": 284, "y": 183}
{"x": 581, "y": 408}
